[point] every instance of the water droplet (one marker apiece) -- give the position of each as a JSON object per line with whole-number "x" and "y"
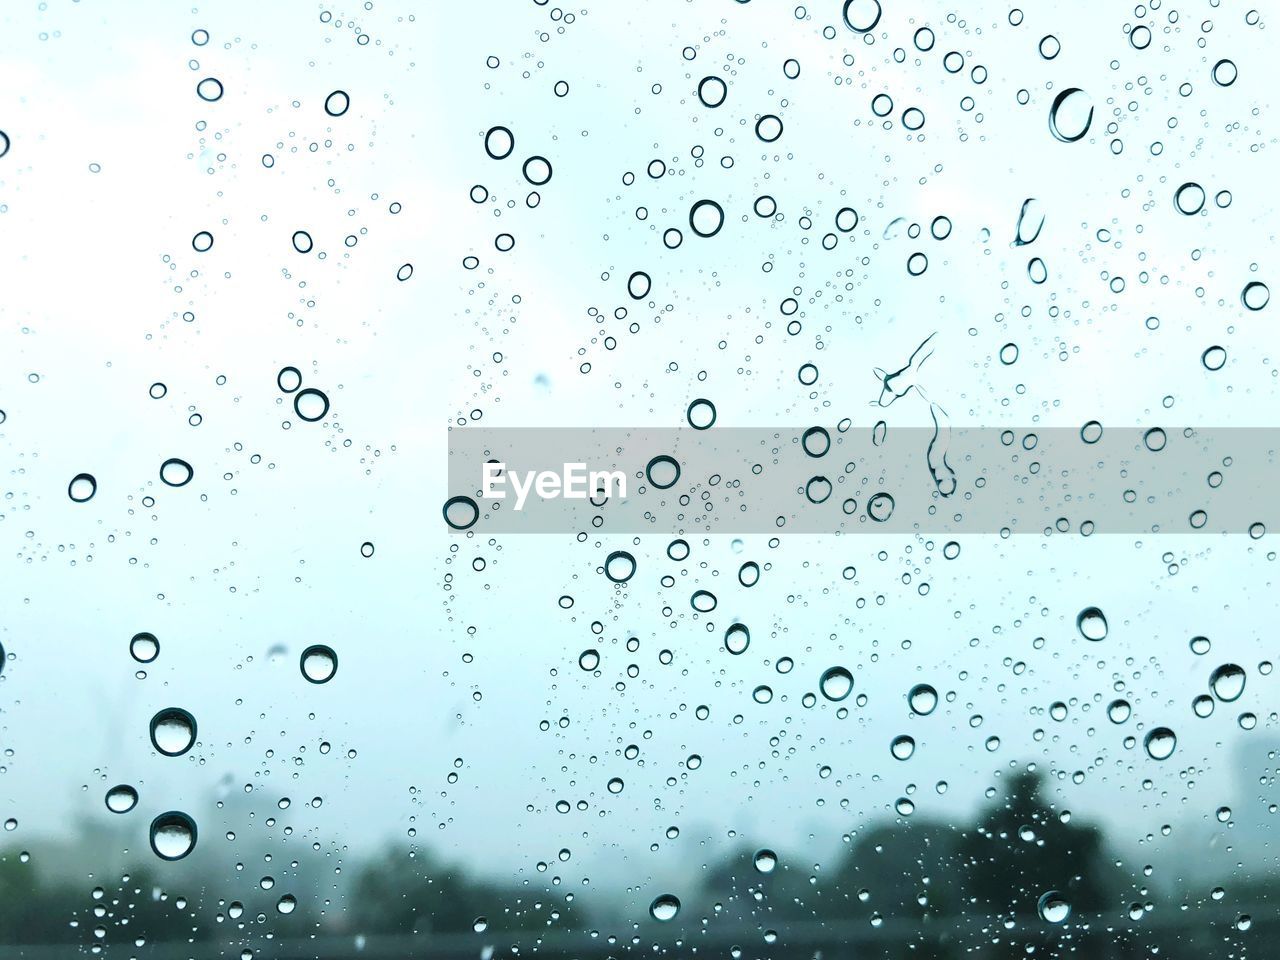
{"x": 1054, "y": 907}
{"x": 712, "y": 91}
{"x": 173, "y": 731}
{"x": 836, "y": 683}
{"x": 82, "y": 488}
{"x": 121, "y": 798}
{"x": 1118, "y": 711}
{"x": 1092, "y": 624}
{"x": 765, "y": 861}
{"x": 1214, "y": 358}
{"x": 880, "y": 507}
{"x": 589, "y": 659}
{"x": 1160, "y": 743}
{"x": 737, "y": 638}
{"x": 704, "y": 601}
{"x": 302, "y": 241}
{"x": 1225, "y": 73}
{"x": 1189, "y": 199}
{"x": 173, "y": 835}
{"x": 769, "y": 128}
{"x": 209, "y": 90}
{"x": 1202, "y": 706}
{"x": 638, "y": 285}
{"x": 144, "y": 647}
{"x": 499, "y": 142}
{"x": 1255, "y": 295}
{"x": 663, "y": 472}
{"x": 175, "y": 472}
{"x": 706, "y": 217}
{"x": 1155, "y": 439}
{"x": 902, "y": 747}
{"x": 664, "y": 908}
{"x": 461, "y": 513}
{"x": 310, "y": 404}
{"x": 817, "y": 489}
{"x": 537, "y": 170}
{"x": 202, "y": 242}
{"x": 1199, "y": 645}
{"x": 861, "y": 16}
{"x": 1070, "y": 115}
{"x": 923, "y": 699}
{"x": 1227, "y": 682}
{"x": 701, "y": 414}
{"x": 318, "y": 663}
{"x": 286, "y": 904}
{"x": 620, "y": 566}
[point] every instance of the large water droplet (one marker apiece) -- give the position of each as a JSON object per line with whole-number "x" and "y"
{"x": 144, "y": 647}
{"x": 499, "y": 142}
{"x": 173, "y": 835}
{"x": 589, "y": 659}
{"x": 318, "y": 663}
{"x": 173, "y": 731}
{"x": 175, "y": 472}
{"x": 620, "y": 566}
{"x": 1092, "y": 624}
{"x": 701, "y": 414}
{"x": 1189, "y": 199}
{"x": 1030, "y": 222}
{"x": 1160, "y": 743}
{"x": 121, "y": 798}
{"x": 311, "y": 404}
{"x": 82, "y": 488}
{"x": 737, "y": 638}
{"x": 1255, "y": 295}
{"x": 1054, "y": 907}
{"x": 665, "y": 907}
{"x": 836, "y": 683}
{"x": 1224, "y": 73}
{"x": 923, "y": 699}
{"x": 460, "y": 513}
{"x": 880, "y": 507}
{"x": 902, "y": 747}
{"x": 337, "y": 103}
{"x": 706, "y": 217}
{"x": 1118, "y": 711}
{"x": 1070, "y": 115}
{"x": 861, "y": 16}
{"x": 1227, "y": 682}
{"x": 765, "y": 861}
{"x": 663, "y": 471}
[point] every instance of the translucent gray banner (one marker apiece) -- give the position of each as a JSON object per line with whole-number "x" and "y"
{"x": 825, "y": 480}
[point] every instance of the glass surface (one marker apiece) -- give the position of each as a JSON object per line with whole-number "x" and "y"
{"x": 934, "y": 347}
